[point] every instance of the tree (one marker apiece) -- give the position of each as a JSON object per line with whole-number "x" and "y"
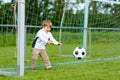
{"x": 0, "y": 1}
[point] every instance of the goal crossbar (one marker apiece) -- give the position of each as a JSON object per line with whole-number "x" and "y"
{"x": 108, "y": 1}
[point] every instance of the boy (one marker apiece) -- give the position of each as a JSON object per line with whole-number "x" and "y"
{"x": 42, "y": 38}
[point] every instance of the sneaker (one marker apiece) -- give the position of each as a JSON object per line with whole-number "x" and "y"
{"x": 32, "y": 68}
{"x": 51, "y": 68}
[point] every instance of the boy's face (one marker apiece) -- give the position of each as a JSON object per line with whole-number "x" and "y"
{"x": 47, "y": 28}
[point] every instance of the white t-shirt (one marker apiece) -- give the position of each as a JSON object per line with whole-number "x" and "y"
{"x": 42, "y": 38}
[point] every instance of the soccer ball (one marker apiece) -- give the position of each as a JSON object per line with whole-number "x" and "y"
{"x": 79, "y": 52}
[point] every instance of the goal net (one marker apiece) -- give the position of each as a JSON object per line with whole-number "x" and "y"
{"x": 103, "y": 28}
{"x": 67, "y": 17}
{"x": 71, "y": 20}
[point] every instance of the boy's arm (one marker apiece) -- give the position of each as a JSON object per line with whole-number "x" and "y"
{"x": 54, "y": 41}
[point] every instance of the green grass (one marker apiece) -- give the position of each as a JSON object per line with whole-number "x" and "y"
{"x": 101, "y": 70}
{"x": 100, "y": 64}
{"x": 66, "y": 67}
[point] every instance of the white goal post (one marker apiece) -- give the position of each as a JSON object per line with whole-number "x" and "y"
{"x": 21, "y": 37}
{"x": 21, "y": 42}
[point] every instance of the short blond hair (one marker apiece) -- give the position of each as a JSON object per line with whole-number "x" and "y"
{"x": 46, "y": 23}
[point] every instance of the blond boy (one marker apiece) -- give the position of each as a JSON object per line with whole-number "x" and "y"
{"x": 42, "y": 38}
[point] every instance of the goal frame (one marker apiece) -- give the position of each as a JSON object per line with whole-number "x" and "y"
{"x": 21, "y": 41}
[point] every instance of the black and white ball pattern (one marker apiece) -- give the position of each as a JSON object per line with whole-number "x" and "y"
{"x": 79, "y": 52}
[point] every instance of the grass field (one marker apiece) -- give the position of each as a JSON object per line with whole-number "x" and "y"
{"x": 67, "y": 67}
{"x": 103, "y": 63}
